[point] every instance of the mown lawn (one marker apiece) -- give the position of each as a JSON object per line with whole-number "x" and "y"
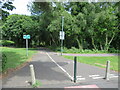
{"x": 98, "y": 61}
{"x": 16, "y": 56}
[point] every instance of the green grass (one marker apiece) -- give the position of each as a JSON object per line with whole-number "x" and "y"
{"x": 76, "y": 50}
{"x": 16, "y": 56}
{"x": 98, "y": 61}
{"x": 37, "y": 84}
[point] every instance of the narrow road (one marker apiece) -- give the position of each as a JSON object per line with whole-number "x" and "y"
{"x": 54, "y": 71}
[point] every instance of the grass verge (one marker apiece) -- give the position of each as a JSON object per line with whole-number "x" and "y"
{"x": 78, "y": 51}
{"x": 15, "y": 57}
{"x": 98, "y": 61}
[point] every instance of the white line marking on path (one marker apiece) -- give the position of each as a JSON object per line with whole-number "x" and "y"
{"x": 113, "y": 76}
{"x": 59, "y": 66}
{"x": 93, "y": 75}
{"x": 80, "y": 78}
{"x": 97, "y": 77}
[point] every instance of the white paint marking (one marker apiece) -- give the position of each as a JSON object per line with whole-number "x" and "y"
{"x": 113, "y": 76}
{"x": 97, "y": 77}
{"x": 60, "y": 66}
{"x": 80, "y": 78}
{"x": 93, "y": 75}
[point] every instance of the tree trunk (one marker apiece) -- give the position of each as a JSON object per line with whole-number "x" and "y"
{"x": 53, "y": 40}
{"x": 106, "y": 42}
{"x": 93, "y": 43}
{"x": 110, "y": 41}
{"x": 101, "y": 47}
{"x": 79, "y": 45}
{"x": 50, "y": 42}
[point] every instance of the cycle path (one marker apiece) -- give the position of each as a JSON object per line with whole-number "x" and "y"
{"x": 47, "y": 72}
{"x": 87, "y": 74}
{"x": 54, "y": 71}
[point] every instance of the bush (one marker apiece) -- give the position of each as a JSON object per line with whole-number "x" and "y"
{"x": 4, "y": 61}
{"x": 7, "y": 42}
{"x": 113, "y": 50}
{"x": 72, "y": 50}
{"x": 76, "y": 50}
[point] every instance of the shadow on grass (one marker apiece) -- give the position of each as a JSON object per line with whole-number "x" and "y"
{"x": 13, "y": 60}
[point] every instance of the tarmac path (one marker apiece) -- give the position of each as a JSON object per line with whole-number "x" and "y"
{"x": 54, "y": 71}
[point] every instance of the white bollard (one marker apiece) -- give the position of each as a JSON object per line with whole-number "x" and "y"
{"x": 107, "y": 74}
{"x": 32, "y": 74}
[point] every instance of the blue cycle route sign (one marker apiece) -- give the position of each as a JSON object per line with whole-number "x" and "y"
{"x": 26, "y": 36}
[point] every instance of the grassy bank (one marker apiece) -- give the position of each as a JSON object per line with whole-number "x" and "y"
{"x": 98, "y": 61}
{"x": 15, "y": 56}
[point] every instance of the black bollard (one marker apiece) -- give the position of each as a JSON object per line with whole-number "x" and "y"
{"x": 75, "y": 68}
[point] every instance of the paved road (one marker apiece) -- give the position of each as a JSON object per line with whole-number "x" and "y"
{"x": 54, "y": 71}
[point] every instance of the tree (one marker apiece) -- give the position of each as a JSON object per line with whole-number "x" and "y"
{"x": 4, "y": 8}
{"x": 90, "y": 25}
{"x": 95, "y": 20}
{"x": 18, "y": 25}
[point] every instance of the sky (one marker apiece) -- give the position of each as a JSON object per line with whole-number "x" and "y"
{"x": 21, "y": 7}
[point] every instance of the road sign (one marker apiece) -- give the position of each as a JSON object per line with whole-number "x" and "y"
{"x": 26, "y": 36}
{"x": 62, "y": 35}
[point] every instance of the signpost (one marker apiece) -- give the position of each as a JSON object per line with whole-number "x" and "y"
{"x": 62, "y": 34}
{"x": 26, "y": 37}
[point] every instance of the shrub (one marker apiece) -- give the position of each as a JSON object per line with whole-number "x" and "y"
{"x": 4, "y": 61}
{"x": 6, "y": 42}
{"x": 113, "y": 50}
{"x": 76, "y": 50}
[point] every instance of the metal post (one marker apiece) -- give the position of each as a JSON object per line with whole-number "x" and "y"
{"x": 32, "y": 74}
{"x": 27, "y": 47}
{"x": 75, "y": 68}
{"x": 62, "y": 39}
{"x": 61, "y": 47}
{"x": 107, "y": 73}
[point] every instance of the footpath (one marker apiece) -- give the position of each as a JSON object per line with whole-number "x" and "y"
{"x": 54, "y": 71}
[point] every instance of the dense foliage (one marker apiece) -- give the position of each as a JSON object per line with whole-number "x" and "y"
{"x": 4, "y": 61}
{"x": 86, "y": 25}
{"x": 5, "y": 6}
